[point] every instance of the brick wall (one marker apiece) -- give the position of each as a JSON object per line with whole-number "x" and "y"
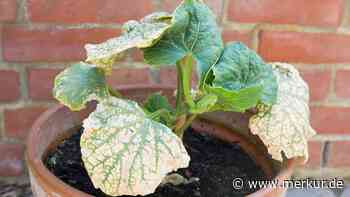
{"x": 41, "y": 37}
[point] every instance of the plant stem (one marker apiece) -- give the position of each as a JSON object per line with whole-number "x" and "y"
{"x": 180, "y": 105}
{"x": 184, "y": 69}
{"x": 184, "y": 100}
{"x": 189, "y": 121}
{"x": 180, "y": 122}
{"x": 183, "y": 124}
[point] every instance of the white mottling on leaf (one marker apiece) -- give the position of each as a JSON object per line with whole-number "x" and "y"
{"x": 286, "y": 126}
{"x": 125, "y": 153}
{"x": 135, "y": 34}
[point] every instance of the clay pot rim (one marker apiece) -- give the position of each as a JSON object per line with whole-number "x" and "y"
{"x": 43, "y": 175}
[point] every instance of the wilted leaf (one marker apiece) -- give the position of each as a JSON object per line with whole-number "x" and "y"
{"x": 286, "y": 126}
{"x": 125, "y": 153}
{"x": 194, "y": 32}
{"x": 79, "y": 84}
{"x": 135, "y": 34}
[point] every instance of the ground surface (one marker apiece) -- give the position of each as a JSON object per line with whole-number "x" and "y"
{"x": 212, "y": 161}
{"x": 15, "y": 190}
{"x": 23, "y": 189}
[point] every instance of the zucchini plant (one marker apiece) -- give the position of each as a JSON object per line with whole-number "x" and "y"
{"x": 128, "y": 148}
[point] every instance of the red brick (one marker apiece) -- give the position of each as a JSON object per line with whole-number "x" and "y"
{"x": 91, "y": 11}
{"x": 319, "y": 82}
{"x": 215, "y": 5}
{"x": 342, "y": 81}
{"x": 41, "y": 82}
{"x": 315, "y": 154}
{"x": 11, "y": 156}
{"x": 22, "y": 45}
{"x": 231, "y": 35}
{"x": 126, "y": 76}
{"x": 304, "y": 47}
{"x": 19, "y": 121}
{"x": 303, "y": 12}
{"x": 137, "y": 55}
{"x": 331, "y": 120}
{"x": 8, "y": 10}
{"x": 168, "y": 76}
{"x": 339, "y": 154}
{"x": 9, "y": 85}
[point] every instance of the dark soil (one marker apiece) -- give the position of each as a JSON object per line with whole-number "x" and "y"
{"x": 15, "y": 189}
{"x": 214, "y": 166}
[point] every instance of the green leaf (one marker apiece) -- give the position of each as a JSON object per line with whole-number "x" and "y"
{"x": 205, "y": 104}
{"x": 231, "y": 100}
{"x": 156, "y": 102}
{"x": 286, "y": 126}
{"x": 194, "y": 32}
{"x": 126, "y": 153}
{"x": 79, "y": 84}
{"x": 160, "y": 109}
{"x": 135, "y": 34}
{"x": 241, "y": 79}
{"x": 240, "y": 68}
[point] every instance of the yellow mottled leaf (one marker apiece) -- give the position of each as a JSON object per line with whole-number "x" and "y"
{"x": 138, "y": 34}
{"x": 125, "y": 153}
{"x": 286, "y": 126}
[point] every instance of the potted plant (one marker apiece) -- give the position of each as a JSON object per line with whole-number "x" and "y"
{"x": 129, "y": 148}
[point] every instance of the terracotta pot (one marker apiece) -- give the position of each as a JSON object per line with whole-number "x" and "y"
{"x": 57, "y": 123}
